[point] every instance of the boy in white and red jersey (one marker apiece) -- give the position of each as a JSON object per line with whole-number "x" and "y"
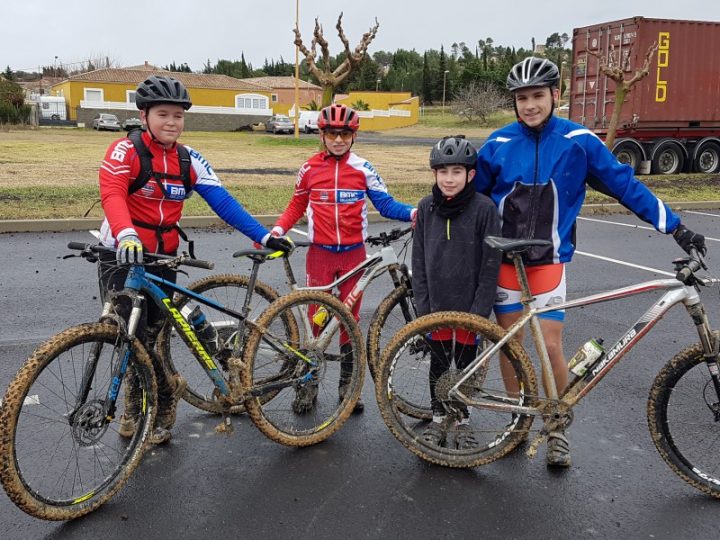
{"x": 332, "y": 188}
{"x": 144, "y": 181}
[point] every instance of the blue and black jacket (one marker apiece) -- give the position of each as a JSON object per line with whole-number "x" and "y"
{"x": 537, "y": 180}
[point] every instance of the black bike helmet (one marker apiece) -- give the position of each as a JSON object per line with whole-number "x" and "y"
{"x": 533, "y": 72}
{"x": 159, "y": 89}
{"x": 454, "y": 150}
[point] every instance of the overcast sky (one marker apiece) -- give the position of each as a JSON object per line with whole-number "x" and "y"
{"x": 35, "y": 32}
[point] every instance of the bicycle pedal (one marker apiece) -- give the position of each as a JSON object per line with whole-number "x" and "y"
{"x": 226, "y": 426}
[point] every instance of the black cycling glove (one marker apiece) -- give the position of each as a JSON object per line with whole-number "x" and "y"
{"x": 280, "y": 243}
{"x": 687, "y": 239}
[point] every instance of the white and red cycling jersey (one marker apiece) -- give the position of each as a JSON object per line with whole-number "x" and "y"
{"x": 334, "y": 192}
{"x": 149, "y": 205}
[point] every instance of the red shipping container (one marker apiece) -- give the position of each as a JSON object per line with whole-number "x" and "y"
{"x": 681, "y": 92}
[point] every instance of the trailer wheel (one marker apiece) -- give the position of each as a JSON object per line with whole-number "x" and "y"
{"x": 629, "y": 154}
{"x": 668, "y": 158}
{"x": 707, "y": 158}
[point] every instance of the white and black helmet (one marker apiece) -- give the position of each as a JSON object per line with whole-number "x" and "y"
{"x": 533, "y": 72}
{"x": 454, "y": 150}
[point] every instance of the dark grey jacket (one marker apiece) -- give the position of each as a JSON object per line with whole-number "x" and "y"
{"x": 452, "y": 268}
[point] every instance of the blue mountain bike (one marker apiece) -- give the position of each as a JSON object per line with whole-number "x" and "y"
{"x": 61, "y": 454}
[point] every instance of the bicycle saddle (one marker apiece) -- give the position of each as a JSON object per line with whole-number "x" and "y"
{"x": 510, "y": 245}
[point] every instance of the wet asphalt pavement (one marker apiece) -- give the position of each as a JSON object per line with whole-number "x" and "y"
{"x": 362, "y": 483}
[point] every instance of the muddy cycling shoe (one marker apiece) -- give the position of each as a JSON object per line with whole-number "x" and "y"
{"x": 346, "y": 369}
{"x": 359, "y": 406}
{"x": 558, "y": 450}
{"x": 160, "y": 435}
{"x": 167, "y": 408}
{"x": 434, "y": 434}
{"x": 465, "y": 438}
{"x": 305, "y": 398}
{"x": 127, "y": 426}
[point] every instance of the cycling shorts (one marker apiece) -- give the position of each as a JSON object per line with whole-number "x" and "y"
{"x": 547, "y": 285}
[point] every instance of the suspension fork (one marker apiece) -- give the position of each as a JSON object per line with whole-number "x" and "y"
{"x": 119, "y": 369}
{"x": 710, "y": 342}
{"x": 399, "y": 277}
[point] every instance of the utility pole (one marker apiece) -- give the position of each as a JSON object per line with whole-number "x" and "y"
{"x": 444, "y": 81}
{"x": 297, "y": 74}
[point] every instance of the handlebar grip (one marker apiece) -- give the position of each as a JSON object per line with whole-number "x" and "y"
{"x": 197, "y": 263}
{"x": 78, "y": 246}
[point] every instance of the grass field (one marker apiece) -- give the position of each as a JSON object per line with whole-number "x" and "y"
{"x": 52, "y": 172}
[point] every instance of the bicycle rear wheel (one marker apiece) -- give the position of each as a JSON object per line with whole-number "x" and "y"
{"x": 404, "y": 380}
{"x": 302, "y": 379}
{"x": 60, "y": 454}
{"x": 684, "y": 419}
{"x": 228, "y": 290}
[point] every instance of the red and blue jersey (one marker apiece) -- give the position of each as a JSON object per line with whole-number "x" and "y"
{"x": 161, "y": 207}
{"x": 334, "y": 193}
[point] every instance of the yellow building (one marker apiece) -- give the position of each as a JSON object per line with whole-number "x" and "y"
{"x": 387, "y": 110}
{"x": 220, "y": 103}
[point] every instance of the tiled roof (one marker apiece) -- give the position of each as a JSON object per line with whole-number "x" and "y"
{"x": 281, "y": 82}
{"x": 191, "y": 80}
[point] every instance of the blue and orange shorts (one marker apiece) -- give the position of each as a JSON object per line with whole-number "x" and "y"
{"x": 547, "y": 285}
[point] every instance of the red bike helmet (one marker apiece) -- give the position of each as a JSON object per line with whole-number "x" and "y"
{"x": 338, "y": 116}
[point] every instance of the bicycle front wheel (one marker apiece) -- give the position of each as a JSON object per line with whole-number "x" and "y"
{"x": 394, "y": 312}
{"x": 313, "y": 387}
{"x": 61, "y": 455}
{"x": 228, "y": 290}
{"x": 470, "y": 435}
{"x": 684, "y": 419}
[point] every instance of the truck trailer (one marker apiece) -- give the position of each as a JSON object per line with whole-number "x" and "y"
{"x": 670, "y": 121}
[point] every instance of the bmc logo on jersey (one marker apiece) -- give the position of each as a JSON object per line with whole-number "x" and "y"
{"x": 176, "y": 193}
{"x": 120, "y": 150}
{"x": 348, "y": 196}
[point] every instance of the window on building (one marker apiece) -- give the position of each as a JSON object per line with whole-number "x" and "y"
{"x": 94, "y": 94}
{"x": 251, "y": 101}
{"x": 130, "y": 96}
{"x": 273, "y": 98}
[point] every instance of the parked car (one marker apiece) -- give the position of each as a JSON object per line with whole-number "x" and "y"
{"x": 564, "y": 108}
{"x": 106, "y": 121}
{"x": 308, "y": 121}
{"x": 132, "y": 123}
{"x": 279, "y": 124}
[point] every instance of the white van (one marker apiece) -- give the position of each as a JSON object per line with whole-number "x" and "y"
{"x": 308, "y": 121}
{"x": 52, "y": 107}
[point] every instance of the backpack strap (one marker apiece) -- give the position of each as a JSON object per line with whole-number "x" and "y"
{"x": 146, "y": 170}
{"x": 145, "y": 156}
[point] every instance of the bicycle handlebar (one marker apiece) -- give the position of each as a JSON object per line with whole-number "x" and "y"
{"x": 264, "y": 252}
{"x": 385, "y": 239}
{"x": 686, "y": 273}
{"x": 183, "y": 259}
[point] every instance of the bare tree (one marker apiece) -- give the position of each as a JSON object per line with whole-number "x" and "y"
{"x": 612, "y": 67}
{"x": 478, "y": 100}
{"x": 331, "y": 78}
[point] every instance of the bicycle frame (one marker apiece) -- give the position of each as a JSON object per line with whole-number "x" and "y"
{"x": 141, "y": 282}
{"x": 372, "y": 267}
{"x": 675, "y": 293}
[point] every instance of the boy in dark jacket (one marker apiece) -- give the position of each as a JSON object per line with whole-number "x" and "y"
{"x": 453, "y": 268}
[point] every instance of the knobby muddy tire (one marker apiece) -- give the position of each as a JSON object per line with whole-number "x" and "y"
{"x": 33, "y": 502}
{"x": 378, "y": 322}
{"x": 341, "y": 409}
{"x": 392, "y": 413}
{"x": 668, "y": 395}
{"x": 193, "y": 395}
